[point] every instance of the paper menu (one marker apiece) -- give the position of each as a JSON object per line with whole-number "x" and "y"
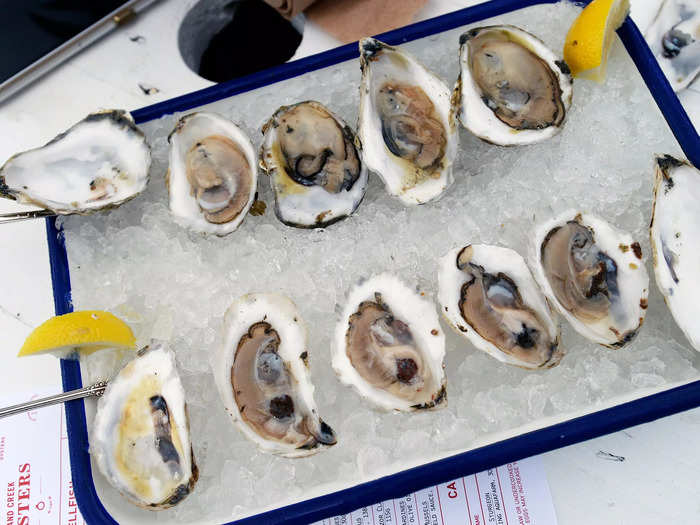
{"x": 35, "y": 479}
{"x": 513, "y": 494}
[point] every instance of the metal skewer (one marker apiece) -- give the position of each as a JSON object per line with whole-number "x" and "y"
{"x": 24, "y": 215}
{"x": 95, "y": 390}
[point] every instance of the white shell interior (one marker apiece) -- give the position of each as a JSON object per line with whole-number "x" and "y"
{"x": 303, "y": 205}
{"x": 420, "y": 316}
{"x": 683, "y": 16}
{"x": 397, "y": 65}
{"x": 675, "y": 225}
{"x": 632, "y": 278}
{"x": 158, "y": 362}
{"x": 58, "y": 176}
{"x": 478, "y": 118}
{"x": 183, "y": 204}
{"x": 494, "y": 259}
{"x": 282, "y": 314}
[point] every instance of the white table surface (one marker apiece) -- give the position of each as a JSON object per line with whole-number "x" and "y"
{"x": 656, "y": 484}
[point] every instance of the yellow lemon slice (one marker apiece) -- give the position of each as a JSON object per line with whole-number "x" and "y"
{"x": 587, "y": 43}
{"x": 87, "y": 331}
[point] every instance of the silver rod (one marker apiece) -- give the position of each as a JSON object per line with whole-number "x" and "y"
{"x": 95, "y": 390}
{"x": 25, "y": 215}
{"x": 88, "y": 36}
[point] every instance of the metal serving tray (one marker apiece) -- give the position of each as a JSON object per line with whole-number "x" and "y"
{"x": 612, "y": 419}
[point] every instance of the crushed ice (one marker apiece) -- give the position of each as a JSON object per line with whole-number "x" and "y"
{"x": 173, "y": 284}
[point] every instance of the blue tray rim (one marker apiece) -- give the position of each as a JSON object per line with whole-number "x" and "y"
{"x": 598, "y": 423}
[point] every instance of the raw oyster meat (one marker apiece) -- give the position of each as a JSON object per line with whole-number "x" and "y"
{"x": 512, "y": 89}
{"x": 262, "y": 373}
{"x": 674, "y": 38}
{"x": 315, "y": 167}
{"x": 675, "y": 223}
{"x": 488, "y": 295}
{"x": 390, "y": 347}
{"x": 406, "y": 125}
{"x": 100, "y": 162}
{"x": 141, "y": 436}
{"x": 594, "y": 275}
{"x": 212, "y": 178}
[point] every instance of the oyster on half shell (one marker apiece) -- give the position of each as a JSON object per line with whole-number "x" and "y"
{"x": 212, "y": 177}
{"x": 390, "y": 347}
{"x": 315, "y": 166}
{"x": 675, "y": 223}
{"x": 99, "y": 163}
{"x": 261, "y": 371}
{"x": 594, "y": 275}
{"x": 406, "y": 125}
{"x": 512, "y": 89}
{"x": 141, "y": 436}
{"x": 674, "y": 38}
{"x": 488, "y": 295}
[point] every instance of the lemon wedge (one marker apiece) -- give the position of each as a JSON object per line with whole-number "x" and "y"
{"x": 587, "y": 43}
{"x": 86, "y": 331}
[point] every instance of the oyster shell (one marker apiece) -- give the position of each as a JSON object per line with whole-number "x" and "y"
{"x": 675, "y": 222}
{"x": 261, "y": 371}
{"x": 315, "y": 168}
{"x": 141, "y": 436}
{"x": 594, "y": 275}
{"x": 488, "y": 295}
{"x": 674, "y": 38}
{"x": 98, "y": 163}
{"x": 212, "y": 178}
{"x": 512, "y": 89}
{"x": 406, "y": 124}
{"x": 389, "y": 346}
